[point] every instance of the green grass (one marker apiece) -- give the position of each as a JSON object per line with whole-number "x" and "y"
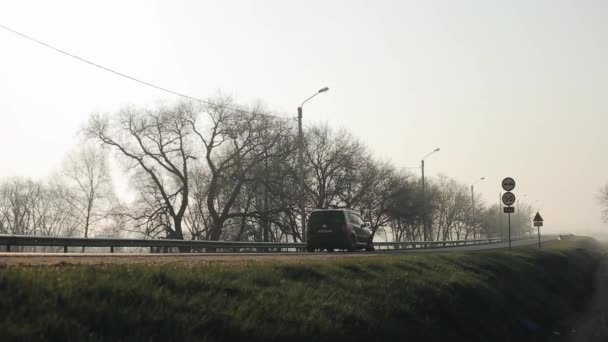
{"x": 524, "y": 294}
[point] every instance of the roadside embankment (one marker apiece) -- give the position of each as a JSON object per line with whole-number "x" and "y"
{"x": 521, "y": 295}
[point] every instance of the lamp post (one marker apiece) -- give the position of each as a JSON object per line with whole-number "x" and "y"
{"x": 473, "y": 204}
{"x": 424, "y": 211}
{"x": 301, "y": 163}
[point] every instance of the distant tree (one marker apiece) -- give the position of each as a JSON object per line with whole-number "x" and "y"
{"x": 332, "y": 159}
{"x": 447, "y": 204}
{"x": 494, "y": 222}
{"x": 405, "y": 208}
{"x": 521, "y": 222}
{"x": 16, "y": 198}
{"x": 29, "y": 207}
{"x": 452, "y": 204}
{"x": 602, "y": 198}
{"x": 372, "y": 191}
{"x": 87, "y": 176}
{"x": 52, "y": 212}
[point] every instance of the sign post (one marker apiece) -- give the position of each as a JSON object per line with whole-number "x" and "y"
{"x": 508, "y": 198}
{"x": 538, "y": 222}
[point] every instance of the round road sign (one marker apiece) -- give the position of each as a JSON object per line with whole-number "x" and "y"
{"x": 508, "y": 184}
{"x": 508, "y": 198}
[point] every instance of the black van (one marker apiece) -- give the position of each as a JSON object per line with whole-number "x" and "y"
{"x": 338, "y": 228}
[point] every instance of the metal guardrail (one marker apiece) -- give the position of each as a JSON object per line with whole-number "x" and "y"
{"x": 10, "y": 241}
{"x": 441, "y": 244}
{"x": 194, "y": 245}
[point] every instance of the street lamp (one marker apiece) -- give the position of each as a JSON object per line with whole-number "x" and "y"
{"x": 473, "y": 203}
{"x": 423, "y": 195}
{"x": 301, "y": 162}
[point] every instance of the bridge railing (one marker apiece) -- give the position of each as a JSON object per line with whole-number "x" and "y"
{"x": 167, "y": 245}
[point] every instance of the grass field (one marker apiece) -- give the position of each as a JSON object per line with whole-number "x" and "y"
{"x": 518, "y": 295}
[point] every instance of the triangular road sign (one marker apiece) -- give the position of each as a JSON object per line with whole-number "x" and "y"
{"x": 538, "y": 218}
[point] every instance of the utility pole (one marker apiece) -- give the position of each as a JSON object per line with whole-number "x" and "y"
{"x": 265, "y": 218}
{"x": 509, "y": 230}
{"x": 423, "y": 202}
{"x": 424, "y": 209}
{"x": 538, "y": 229}
{"x": 473, "y": 210}
{"x": 301, "y": 192}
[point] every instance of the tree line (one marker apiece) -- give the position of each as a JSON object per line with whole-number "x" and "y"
{"x": 221, "y": 171}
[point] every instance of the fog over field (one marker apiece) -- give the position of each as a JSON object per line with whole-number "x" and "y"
{"x": 504, "y": 88}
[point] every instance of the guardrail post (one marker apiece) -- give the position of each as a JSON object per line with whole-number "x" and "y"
{"x": 65, "y": 249}
{"x": 8, "y": 248}
{"x": 111, "y": 249}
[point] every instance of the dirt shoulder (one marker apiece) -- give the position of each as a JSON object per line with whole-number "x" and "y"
{"x": 93, "y": 259}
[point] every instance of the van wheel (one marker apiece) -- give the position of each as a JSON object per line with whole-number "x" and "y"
{"x": 352, "y": 244}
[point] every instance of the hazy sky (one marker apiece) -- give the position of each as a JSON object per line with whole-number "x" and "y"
{"x": 505, "y": 88}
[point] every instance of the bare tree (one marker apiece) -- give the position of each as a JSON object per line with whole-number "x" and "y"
{"x": 16, "y": 199}
{"x": 197, "y": 218}
{"x": 235, "y": 142}
{"x": 219, "y": 172}
{"x": 87, "y": 175}
{"x": 157, "y": 143}
{"x": 405, "y": 208}
{"x": 371, "y": 189}
{"x": 452, "y": 205}
{"x": 332, "y": 159}
{"x": 28, "y": 207}
{"x": 602, "y": 198}
{"x": 493, "y": 221}
{"x": 52, "y": 212}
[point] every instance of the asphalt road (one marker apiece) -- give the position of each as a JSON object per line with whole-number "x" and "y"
{"x": 112, "y": 258}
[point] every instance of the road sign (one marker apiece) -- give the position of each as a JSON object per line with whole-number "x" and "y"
{"x": 508, "y": 198}
{"x": 508, "y": 184}
{"x": 538, "y": 222}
